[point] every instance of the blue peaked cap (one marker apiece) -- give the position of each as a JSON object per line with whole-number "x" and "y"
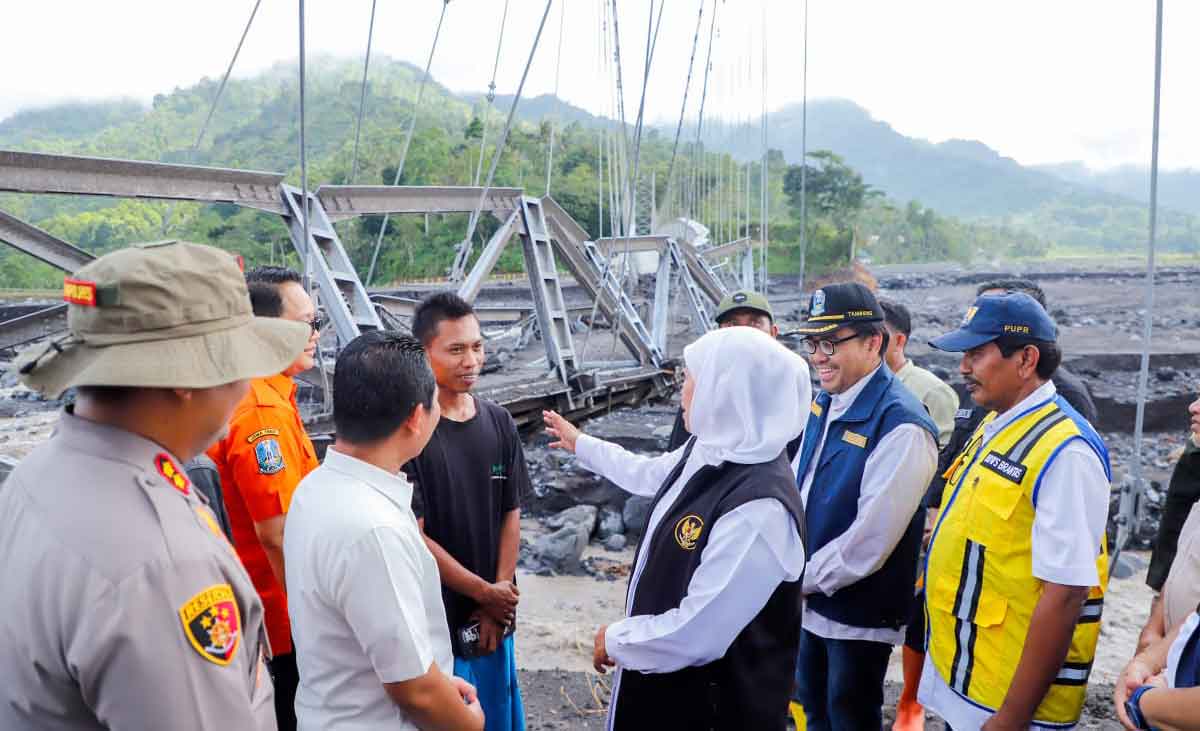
{"x": 994, "y": 316}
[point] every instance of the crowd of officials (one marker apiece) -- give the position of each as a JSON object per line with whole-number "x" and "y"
{"x": 176, "y": 556}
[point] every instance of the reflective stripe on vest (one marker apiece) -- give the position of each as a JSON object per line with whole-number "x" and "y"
{"x": 980, "y": 589}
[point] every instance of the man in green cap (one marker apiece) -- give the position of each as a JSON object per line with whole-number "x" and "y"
{"x": 743, "y": 308}
{"x": 121, "y": 603}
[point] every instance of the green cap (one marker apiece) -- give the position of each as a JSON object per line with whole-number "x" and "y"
{"x": 744, "y": 299}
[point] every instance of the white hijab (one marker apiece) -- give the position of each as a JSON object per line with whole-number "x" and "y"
{"x": 748, "y": 401}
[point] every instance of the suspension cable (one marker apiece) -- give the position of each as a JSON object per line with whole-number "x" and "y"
{"x": 212, "y": 108}
{"x": 557, "y": 68}
{"x": 491, "y": 97}
{"x": 683, "y": 107}
{"x": 362, "y": 95}
{"x": 1129, "y": 498}
{"x": 766, "y": 155}
{"x": 804, "y": 152}
{"x": 412, "y": 125}
{"x": 465, "y": 246}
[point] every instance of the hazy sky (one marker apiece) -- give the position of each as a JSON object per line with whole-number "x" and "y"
{"x": 1038, "y": 81}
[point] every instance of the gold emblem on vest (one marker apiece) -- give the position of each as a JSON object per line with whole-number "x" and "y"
{"x": 688, "y": 530}
{"x": 856, "y": 439}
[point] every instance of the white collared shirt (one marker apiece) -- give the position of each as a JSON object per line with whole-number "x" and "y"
{"x": 894, "y": 480}
{"x": 364, "y": 596}
{"x": 1068, "y": 525}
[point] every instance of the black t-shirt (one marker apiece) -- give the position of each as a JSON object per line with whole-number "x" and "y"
{"x": 1070, "y": 386}
{"x": 470, "y": 475}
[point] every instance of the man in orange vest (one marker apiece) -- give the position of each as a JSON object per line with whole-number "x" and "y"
{"x": 261, "y": 460}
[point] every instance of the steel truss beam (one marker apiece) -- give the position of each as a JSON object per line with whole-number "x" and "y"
{"x": 41, "y": 245}
{"x": 720, "y": 250}
{"x": 35, "y": 172}
{"x": 347, "y": 201}
{"x": 617, "y": 245}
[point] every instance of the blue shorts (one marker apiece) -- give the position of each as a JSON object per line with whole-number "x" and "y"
{"x": 495, "y": 678}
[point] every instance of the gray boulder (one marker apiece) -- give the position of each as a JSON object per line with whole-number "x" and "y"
{"x": 611, "y": 524}
{"x": 560, "y": 551}
{"x": 583, "y": 516}
{"x": 615, "y": 542}
{"x": 635, "y": 513}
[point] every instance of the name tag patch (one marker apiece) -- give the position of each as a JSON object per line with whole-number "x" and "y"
{"x": 857, "y": 440}
{"x": 1011, "y": 471}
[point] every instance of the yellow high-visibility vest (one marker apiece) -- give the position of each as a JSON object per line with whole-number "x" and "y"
{"x": 980, "y": 589}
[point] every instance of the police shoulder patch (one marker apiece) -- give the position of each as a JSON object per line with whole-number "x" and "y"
{"x": 269, "y": 456}
{"x": 166, "y": 467}
{"x": 212, "y": 623}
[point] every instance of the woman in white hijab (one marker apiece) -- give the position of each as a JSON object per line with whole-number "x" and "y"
{"x": 713, "y": 610}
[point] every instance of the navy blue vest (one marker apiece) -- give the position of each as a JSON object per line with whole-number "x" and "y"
{"x": 883, "y": 599}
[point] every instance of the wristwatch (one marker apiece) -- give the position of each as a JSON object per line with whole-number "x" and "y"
{"x": 1133, "y": 708}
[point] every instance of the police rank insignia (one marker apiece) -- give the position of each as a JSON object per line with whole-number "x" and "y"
{"x": 270, "y": 458}
{"x": 688, "y": 530}
{"x": 212, "y": 623}
{"x": 166, "y": 467}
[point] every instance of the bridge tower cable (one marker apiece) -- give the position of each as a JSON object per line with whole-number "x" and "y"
{"x": 408, "y": 135}
{"x": 362, "y": 95}
{"x": 562, "y": 13}
{"x": 804, "y": 151}
{"x": 491, "y": 97}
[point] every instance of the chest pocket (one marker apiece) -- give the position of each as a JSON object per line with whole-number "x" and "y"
{"x": 994, "y": 516}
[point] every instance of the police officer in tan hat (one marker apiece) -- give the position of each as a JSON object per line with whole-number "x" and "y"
{"x": 121, "y": 603}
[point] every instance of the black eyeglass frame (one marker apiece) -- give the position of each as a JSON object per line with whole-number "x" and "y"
{"x": 811, "y": 345}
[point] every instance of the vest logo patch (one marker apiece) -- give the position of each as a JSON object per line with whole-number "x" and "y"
{"x": 688, "y": 530}
{"x": 963, "y": 414}
{"x": 816, "y": 409}
{"x": 857, "y": 440}
{"x": 1011, "y": 471}
{"x": 212, "y": 623}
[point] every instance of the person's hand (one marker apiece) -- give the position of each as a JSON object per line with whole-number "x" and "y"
{"x": 1135, "y": 674}
{"x": 564, "y": 431}
{"x": 499, "y": 599}
{"x": 465, "y": 690}
{"x": 470, "y": 697}
{"x": 600, "y": 658}
{"x": 999, "y": 722}
{"x": 491, "y": 633}
{"x": 504, "y": 617}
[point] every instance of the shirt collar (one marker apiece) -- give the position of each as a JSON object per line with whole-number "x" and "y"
{"x": 395, "y": 487}
{"x": 282, "y": 385}
{"x": 844, "y": 400}
{"x": 908, "y": 366}
{"x": 110, "y": 443}
{"x": 1042, "y": 394}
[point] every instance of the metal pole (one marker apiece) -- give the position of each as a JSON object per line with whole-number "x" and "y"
{"x": 1129, "y": 499}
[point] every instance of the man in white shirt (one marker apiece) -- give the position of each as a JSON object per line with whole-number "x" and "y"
{"x": 1017, "y": 566}
{"x": 869, "y": 452}
{"x": 365, "y": 596}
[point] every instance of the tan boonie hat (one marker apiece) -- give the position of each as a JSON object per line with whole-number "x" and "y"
{"x": 165, "y": 315}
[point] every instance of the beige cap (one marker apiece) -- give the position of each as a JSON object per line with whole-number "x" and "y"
{"x": 165, "y": 315}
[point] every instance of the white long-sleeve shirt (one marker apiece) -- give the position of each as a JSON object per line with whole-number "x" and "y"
{"x": 751, "y": 550}
{"x": 894, "y": 480}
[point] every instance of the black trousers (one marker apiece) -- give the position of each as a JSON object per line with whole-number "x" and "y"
{"x": 286, "y": 677}
{"x": 840, "y": 682}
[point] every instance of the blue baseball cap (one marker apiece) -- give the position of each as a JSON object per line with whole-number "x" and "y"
{"x": 995, "y": 316}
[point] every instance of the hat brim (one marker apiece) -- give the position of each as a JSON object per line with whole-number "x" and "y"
{"x": 262, "y": 347}
{"x": 735, "y": 308}
{"x": 961, "y": 340}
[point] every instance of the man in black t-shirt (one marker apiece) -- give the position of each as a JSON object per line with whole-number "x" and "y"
{"x": 468, "y": 486}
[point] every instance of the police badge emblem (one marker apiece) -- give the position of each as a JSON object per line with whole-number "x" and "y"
{"x": 269, "y": 456}
{"x": 212, "y": 623}
{"x": 969, "y": 315}
{"x": 818, "y": 304}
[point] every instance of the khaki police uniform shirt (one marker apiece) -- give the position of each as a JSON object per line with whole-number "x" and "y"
{"x": 121, "y": 605}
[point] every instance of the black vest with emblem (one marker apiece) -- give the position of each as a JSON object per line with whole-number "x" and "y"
{"x": 747, "y": 688}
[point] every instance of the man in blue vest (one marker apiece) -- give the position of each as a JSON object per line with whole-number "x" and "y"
{"x": 869, "y": 451}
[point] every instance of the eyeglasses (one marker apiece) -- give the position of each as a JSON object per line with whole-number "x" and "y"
{"x": 827, "y": 347}
{"x": 317, "y": 323}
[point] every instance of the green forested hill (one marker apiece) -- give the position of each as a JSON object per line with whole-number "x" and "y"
{"x": 255, "y": 127}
